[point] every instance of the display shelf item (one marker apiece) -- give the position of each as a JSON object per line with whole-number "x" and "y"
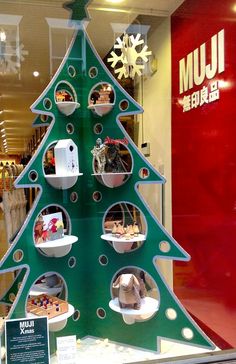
{"x": 62, "y": 182}
{"x": 47, "y": 305}
{"x": 112, "y": 180}
{"x": 67, "y": 107}
{"x": 59, "y": 322}
{"x": 101, "y": 109}
{"x": 41, "y": 288}
{"x": 58, "y": 248}
{"x": 122, "y": 244}
{"x": 149, "y": 306}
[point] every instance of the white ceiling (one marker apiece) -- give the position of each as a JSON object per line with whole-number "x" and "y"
{"x": 19, "y": 91}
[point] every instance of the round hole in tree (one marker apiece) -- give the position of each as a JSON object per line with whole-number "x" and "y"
{"x": 76, "y": 315}
{"x": 144, "y": 173}
{"x": 101, "y": 313}
{"x": 171, "y": 314}
{"x": 74, "y": 196}
{"x": 164, "y": 246}
{"x": 64, "y": 92}
{"x": 97, "y": 196}
{"x": 123, "y": 105}
{"x": 71, "y": 71}
{"x": 126, "y": 223}
{"x": 98, "y": 128}
{"x": 102, "y": 93}
{"x": 145, "y": 286}
{"x": 12, "y": 297}
{"x": 71, "y": 262}
{"x": 18, "y": 255}
{"x": 103, "y": 260}
{"x": 47, "y": 103}
{"x": 33, "y": 176}
{"x": 44, "y": 118}
{"x": 187, "y": 333}
{"x": 49, "y": 281}
{"x": 70, "y": 128}
{"x": 93, "y": 72}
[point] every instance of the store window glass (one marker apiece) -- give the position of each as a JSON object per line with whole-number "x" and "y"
{"x": 117, "y": 171}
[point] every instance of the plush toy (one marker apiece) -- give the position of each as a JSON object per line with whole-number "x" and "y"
{"x": 130, "y": 289}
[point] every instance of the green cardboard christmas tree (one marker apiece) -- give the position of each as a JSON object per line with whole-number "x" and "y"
{"x": 81, "y": 104}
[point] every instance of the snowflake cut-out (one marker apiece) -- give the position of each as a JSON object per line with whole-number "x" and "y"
{"x": 10, "y": 62}
{"x": 129, "y": 57}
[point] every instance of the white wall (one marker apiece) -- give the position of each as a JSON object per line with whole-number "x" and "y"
{"x": 155, "y": 125}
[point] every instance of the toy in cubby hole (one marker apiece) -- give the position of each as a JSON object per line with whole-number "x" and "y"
{"x": 45, "y": 305}
{"x": 130, "y": 290}
{"x": 128, "y": 232}
{"x": 53, "y": 230}
{"x": 108, "y": 157}
{"x": 63, "y": 95}
{"x": 101, "y": 96}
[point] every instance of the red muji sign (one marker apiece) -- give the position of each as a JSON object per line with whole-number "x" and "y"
{"x": 203, "y": 36}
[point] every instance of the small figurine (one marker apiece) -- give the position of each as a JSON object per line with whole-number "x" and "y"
{"x": 99, "y": 153}
{"x": 136, "y": 229}
{"x": 114, "y": 162}
{"x": 130, "y": 291}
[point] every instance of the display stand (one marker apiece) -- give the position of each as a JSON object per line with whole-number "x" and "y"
{"x": 89, "y": 269}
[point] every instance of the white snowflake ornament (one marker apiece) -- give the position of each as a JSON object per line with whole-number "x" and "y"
{"x": 129, "y": 56}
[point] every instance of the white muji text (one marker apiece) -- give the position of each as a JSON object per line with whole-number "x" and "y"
{"x": 194, "y": 69}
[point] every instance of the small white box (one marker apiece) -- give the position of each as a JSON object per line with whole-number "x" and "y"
{"x": 66, "y": 157}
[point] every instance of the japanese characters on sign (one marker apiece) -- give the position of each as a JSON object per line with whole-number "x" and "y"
{"x": 193, "y": 71}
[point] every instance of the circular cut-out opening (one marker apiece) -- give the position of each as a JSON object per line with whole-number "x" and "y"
{"x": 51, "y": 224}
{"x": 71, "y": 262}
{"x": 101, "y": 313}
{"x": 98, "y": 128}
{"x": 123, "y": 105}
{"x": 64, "y": 92}
{"x": 18, "y": 255}
{"x": 74, "y": 196}
{"x": 144, "y": 173}
{"x": 47, "y": 103}
{"x": 49, "y": 160}
{"x": 171, "y": 314}
{"x": 12, "y": 297}
{"x": 112, "y": 156}
{"x": 44, "y": 118}
{"x": 102, "y": 93}
{"x": 76, "y": 315}
{"x": 33, "y": 176}
{"x": 97, "y": 196}
{"x": 126, "y": 223}
{"x": 164, "y": 246}
{"x": 93, "y": 72}
{"x": 187, "y": 333}
{"x": 103, "y": 260}
{"x": 129, "y": 278}
{"x": 71, "y": 71}
{"x": 70, "y": 128}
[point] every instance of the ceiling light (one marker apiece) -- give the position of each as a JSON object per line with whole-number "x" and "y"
{"x": 2, "y": 130}
{"x": 1, "y": 111}
{"x": 3, "y": 135}
{"x": 35, "y": 73}
{"x": 114, "y": 1}
{"x": 1, "y": 122}
{"x": 3, "y": 36}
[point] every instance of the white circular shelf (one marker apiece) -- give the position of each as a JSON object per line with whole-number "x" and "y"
{"x": 62, "y": 182}
{"x": 101, "y": 109}
{"x": 122, "y": 244}
{"x": 112, "y": 179}
{"x": 59, "y": 247}
{"x": 148, "y": 307}
{"x": 42, "y": 288}
{"x": 56, "y": 323}
{"x": 67, "y": 107}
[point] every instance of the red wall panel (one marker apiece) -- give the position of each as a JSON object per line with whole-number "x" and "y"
{"x": 204, "y": 173}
